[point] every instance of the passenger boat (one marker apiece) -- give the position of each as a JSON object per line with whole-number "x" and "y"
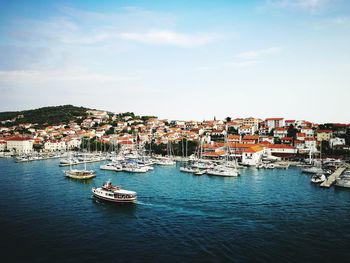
{"x": 114, "y": 194}
{"x": 318, "y": 178}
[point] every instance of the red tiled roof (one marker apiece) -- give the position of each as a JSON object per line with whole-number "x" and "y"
{"x": 220, "y": 153}
{"x": 280, "y": 146}
{"x": 19, "y": 139}
{"x": 274, "y": 119}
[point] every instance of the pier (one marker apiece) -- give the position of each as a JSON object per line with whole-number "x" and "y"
{"x": 331, "y": 179}
{"x": 82, "y": 162}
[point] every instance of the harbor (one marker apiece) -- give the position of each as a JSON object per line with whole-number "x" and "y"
{"x": 204, "y": 216}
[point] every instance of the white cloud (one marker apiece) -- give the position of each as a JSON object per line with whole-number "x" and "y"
{"x": 29, "y": 77}
{"x": 309, "y": 5}
{"x": 254, "y": 54}
{"x": 167, "y": 37}
{"x": 244, "y": 59}
{"x": 343, "y": 20}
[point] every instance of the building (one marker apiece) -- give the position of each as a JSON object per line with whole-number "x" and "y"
{"x": 309, "y": 133}
{"x": 2, "y": 146}
{"x": 246, "y": 130}
{"x": 252, "y": 156}
{"x": 273, "y": 123}
{"x": 251, "y": 122}
{"x": 310, "y": 144}
{"x": 19, "y": 145}
{"x": 324, "y": 135}
{"x": 280, "y": 132}
{"x": 336, "y": 142}
{"x": 54, "y": 145}
{"x": 281, "y": 150}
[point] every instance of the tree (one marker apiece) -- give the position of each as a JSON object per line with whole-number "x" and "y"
{"x": 232, "y": 130}
{"x": 228, "y": 119}
{"x": 110, "y": 131}
{"x": 292, "y": 132}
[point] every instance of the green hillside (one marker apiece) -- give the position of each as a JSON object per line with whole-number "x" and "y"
{"x": 45, "y": 115}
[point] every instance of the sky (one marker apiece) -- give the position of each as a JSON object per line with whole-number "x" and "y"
{"x": 179, "y": 59}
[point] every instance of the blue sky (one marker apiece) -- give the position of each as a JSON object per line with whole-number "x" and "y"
{"x": 179, "y": 59}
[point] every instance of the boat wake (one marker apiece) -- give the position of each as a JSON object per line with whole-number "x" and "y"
{"x": 180, "y": 209}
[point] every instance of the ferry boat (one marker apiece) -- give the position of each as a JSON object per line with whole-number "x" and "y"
{"x": 114, "y": 194}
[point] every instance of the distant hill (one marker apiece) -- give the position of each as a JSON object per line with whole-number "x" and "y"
{"x": 46, "y": 115}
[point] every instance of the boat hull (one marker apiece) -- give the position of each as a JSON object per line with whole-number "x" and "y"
{"x": 79, "y": 176}
{"x": 113, "y": 200}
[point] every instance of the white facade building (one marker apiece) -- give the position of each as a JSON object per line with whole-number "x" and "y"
{"x": 2, "y": 146}
{"x": 73, "y": 143}
{"x": 248, "y": 130}
{"x": 310, "y": 144}
{"x": 252, "y": 156}
{"x": 336, "y": 142}
{"x": 19, "y": 145}
{"x": 54, "y": 145}
{"x": 309, "y": 133}
{"x": 273, "y": 123}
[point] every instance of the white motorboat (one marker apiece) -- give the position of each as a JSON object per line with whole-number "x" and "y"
{"x": 187, "y": 170}
{"x": 199, "y": 172}
{"x": 203, "y": 165}
{"x": 318, "y": 178}
{"x": 343, "y": 180}
{"x": 135, "y": 168}
{"x": 114, "y": 194}
{"x": 312, "y": 170}
{"x": 223, "y": 171}
{"x": 270, "y": 166}
{"x": 261, "y": 166}
{"x": 165, "y": 161}
{"x": 112, "y": 167}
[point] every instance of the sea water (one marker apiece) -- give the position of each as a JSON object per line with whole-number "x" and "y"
{"x": 261, "y": 216}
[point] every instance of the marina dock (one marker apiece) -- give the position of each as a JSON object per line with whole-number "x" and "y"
{"x": 82, "y": 162}
{"x": 37, "y": 159}
{"x": 331, "y": 179}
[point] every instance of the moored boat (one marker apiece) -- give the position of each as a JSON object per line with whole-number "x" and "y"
{"x": 318, "y": 178}
{"x": 114, "y": 194}
{"x": 80, "y": 174}
{"x": 223, "y": 171}
{"x": 112, "y": 167}
{"x": 312, "y": 170}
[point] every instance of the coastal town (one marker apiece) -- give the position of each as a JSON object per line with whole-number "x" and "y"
{"x": 247, "y": 139}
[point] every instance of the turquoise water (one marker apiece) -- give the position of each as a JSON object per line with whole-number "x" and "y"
{"x": 262, "y": 216}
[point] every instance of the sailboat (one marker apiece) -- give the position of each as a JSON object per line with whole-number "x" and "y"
{"x": 80, "y": 174}
{"x": 224, "y": 169}
{"x": 168, "y": 161}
